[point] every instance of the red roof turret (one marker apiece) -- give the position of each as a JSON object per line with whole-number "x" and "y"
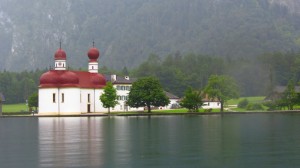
{"x": 60, "y": 55}
{"x": 98, "y": 80}
{"x": 49, "y": 79}
{"x": 69, "y": 78}
{"x": 93, "y": 54}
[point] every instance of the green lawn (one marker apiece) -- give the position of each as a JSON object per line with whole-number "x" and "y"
{"x": 8, "y": 108}
{"x": 232, "y": 102}
{"x": 183, "y": 110}
{"x": 250, "y": 99}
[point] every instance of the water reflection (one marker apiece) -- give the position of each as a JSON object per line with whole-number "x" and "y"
{"x": 70, "y": 142}
{"x": 173, "y": 141}
{"x": 264, "y": 140}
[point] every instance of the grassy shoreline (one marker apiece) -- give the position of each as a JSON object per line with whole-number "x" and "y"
{"x": 230, "y": 106}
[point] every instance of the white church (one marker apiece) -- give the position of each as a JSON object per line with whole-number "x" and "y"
{"x": 63, "y": 91}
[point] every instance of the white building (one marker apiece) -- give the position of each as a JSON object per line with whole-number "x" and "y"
{"x": 63, "y": 91}
{"x": 210, "y": 104}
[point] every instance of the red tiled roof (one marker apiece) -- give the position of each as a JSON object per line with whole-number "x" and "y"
{"x": 90, "y": 80}
{"x": 62, "y": 79}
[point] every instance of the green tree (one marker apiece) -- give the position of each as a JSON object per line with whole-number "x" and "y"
{"x": 221, "y": 87}
{"x": 147, "y": 92}
{"x": 290, "y": 97}
{"x": 109, "y": 97}
{"x": 192, "y": 100}
{"x": 33, "y": 101}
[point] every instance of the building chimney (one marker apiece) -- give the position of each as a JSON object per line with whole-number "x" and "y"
{"x": 113, "y": 78}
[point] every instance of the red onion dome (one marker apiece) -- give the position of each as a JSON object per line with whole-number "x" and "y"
{"x": 98, "y": 79}
{"x": 49, "y": 79}
{"x": 68, "y": 78}
{"x": 60, "y": 55}
{"x": 93, "y": 54}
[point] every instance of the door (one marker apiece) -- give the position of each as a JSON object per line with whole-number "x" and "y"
{"x": 88, "y": 108}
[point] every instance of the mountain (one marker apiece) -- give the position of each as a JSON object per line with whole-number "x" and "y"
{"x": 127, "y": 31}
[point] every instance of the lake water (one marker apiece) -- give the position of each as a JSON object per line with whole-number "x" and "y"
{"x": 228, "y": 141}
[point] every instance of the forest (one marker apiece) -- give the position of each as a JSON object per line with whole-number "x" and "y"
{"x": 176, "y": 72}
{"x": 126, "y": 32}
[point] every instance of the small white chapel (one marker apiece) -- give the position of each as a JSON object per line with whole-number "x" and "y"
{"x": 63, "y": 91}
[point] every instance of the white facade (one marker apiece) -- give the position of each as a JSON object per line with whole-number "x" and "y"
{"x": 76, "y": 100}
{"x": 59, "y": 101}
{"x": 122, "y": 96}
{"x": 211, "y": 105}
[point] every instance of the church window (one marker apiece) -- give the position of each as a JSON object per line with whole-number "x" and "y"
{"x": 89, "y": 98}
{"x": 53, "y": 97}
{"x": 62, "y": 97}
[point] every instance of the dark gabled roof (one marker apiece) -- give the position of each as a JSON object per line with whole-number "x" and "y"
{"x": 207, "y": 99}
{"x": 171, "y": 96}
{"x": 120, "y": 79}
{"x": 2, "y": 98}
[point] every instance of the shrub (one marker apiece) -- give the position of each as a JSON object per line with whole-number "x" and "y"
{"x": 243, "y": 103}
{"x": 255, "y": 106}
{"x": 271, "y": 105}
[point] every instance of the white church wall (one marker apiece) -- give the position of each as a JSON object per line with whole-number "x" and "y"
{"x": 87, "y": 100}
{"x": 48, "y": 101}
{"x": 69, "y": 101}
{"x": 99, "y": 106}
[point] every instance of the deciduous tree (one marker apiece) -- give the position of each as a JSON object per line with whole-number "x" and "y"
{"x": 147, "y": 92}
{"x": 221, "y": 87}
{"x": 192, "y": 100}
{"x": 33, "y": 101}
{"x": 109, "y": 97}
{"x": 290, "y": 97}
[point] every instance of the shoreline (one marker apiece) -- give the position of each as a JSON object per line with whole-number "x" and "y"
{"x": 152, "y": 114}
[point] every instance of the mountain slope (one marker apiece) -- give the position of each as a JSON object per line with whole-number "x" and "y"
{"x": 126, "y": 32}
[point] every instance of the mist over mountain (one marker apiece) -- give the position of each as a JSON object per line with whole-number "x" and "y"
{"x": 127, "y": 31}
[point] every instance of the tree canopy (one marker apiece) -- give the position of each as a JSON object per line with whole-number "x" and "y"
{"x": 33, "y": 101}
{"x": 109, "y": 97}
{"x": 147, "y": 92}
{"x": 289, "y": 97}
{"x": 221, "y": 87}
{"x": 192, "y": 100}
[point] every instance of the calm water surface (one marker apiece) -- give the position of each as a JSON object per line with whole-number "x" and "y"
{"x": 241, "y": 141}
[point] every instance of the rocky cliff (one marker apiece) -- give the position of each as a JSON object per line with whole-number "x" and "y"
{"x": 126, "y": 32}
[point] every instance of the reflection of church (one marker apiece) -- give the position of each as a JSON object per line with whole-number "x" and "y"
{"x": 63, "y": 91}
